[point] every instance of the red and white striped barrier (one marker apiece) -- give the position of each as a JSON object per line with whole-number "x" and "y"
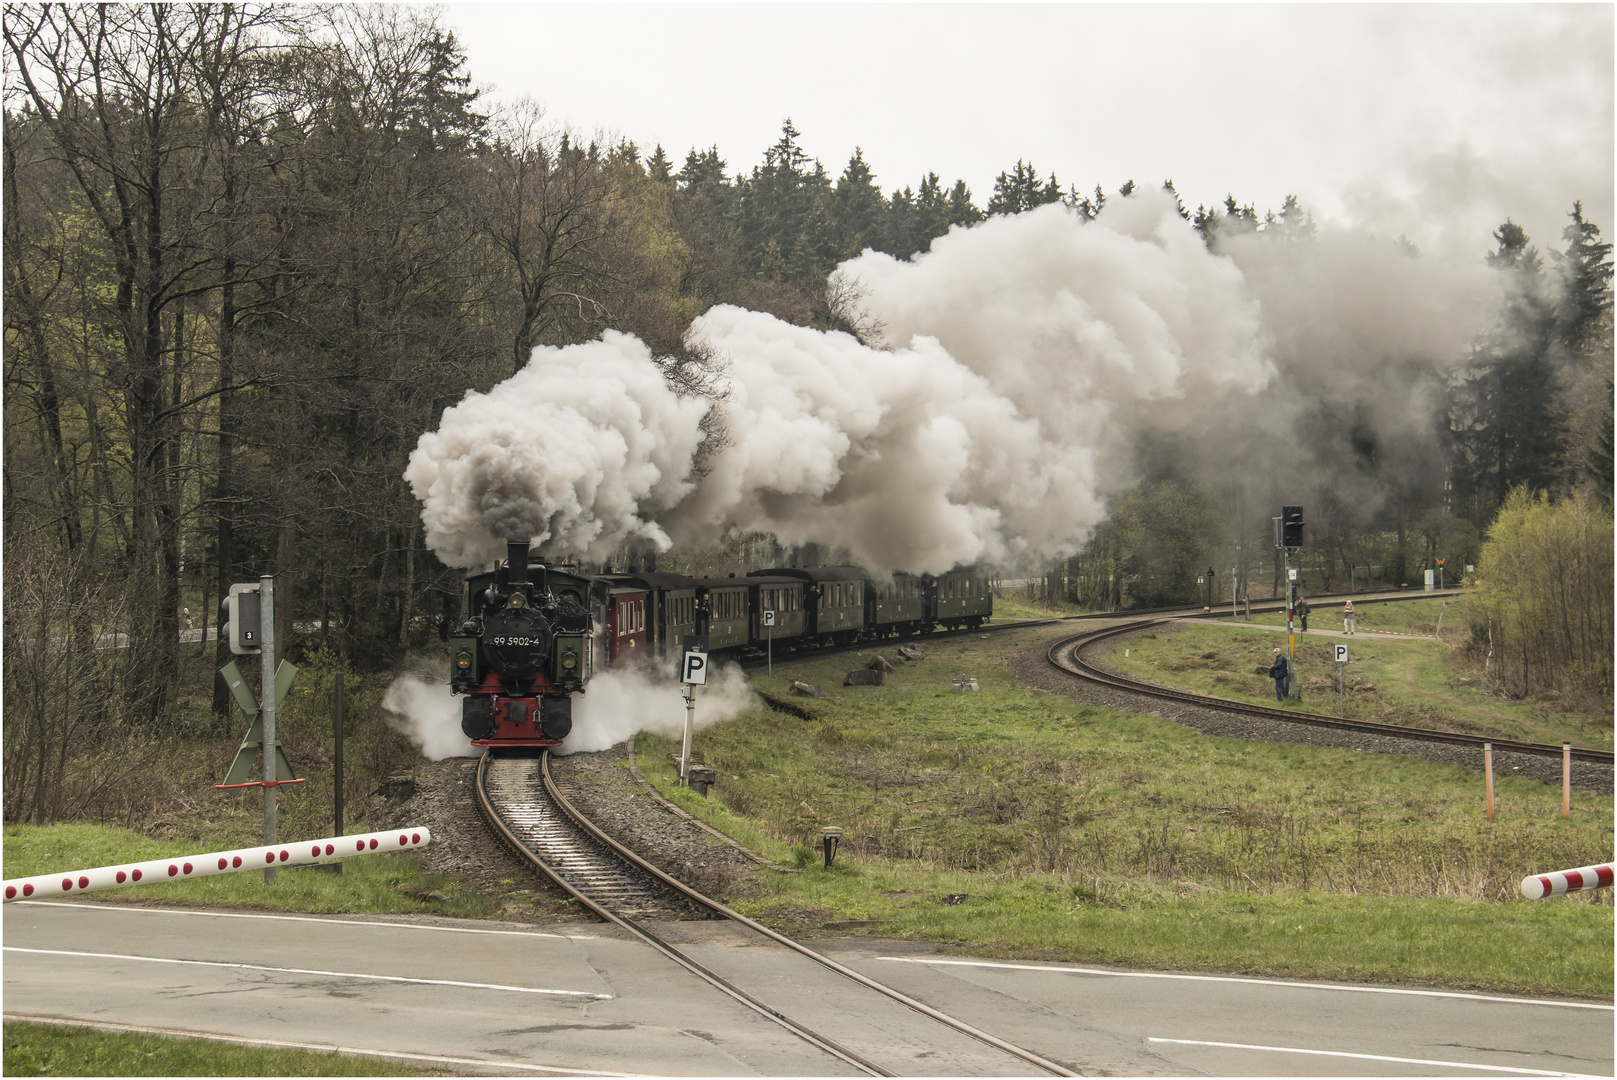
{"x": 1598, "y": 876}
{"x": 301, "y": 853}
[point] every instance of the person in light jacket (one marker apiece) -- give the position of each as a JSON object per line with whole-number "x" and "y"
{"x": 1347, "y": 617}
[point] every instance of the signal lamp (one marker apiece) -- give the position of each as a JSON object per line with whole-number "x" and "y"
{"x": 569, "y": 660}
{"x": 518, "y": 600}
{"x": 463, "y": 660}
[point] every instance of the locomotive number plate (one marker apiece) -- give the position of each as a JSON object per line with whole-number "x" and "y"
{"x": 518, "y": 641}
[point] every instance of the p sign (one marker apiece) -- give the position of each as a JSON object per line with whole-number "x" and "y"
{"x": 1341, "y": 652}
{"x": 693, "y": 672}
{"x": 769, "y": 618}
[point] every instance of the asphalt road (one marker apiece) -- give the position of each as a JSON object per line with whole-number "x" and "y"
{"x": 507, "y": 1000}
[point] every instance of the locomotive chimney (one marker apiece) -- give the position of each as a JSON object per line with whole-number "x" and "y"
{"x": 516, "y": 562}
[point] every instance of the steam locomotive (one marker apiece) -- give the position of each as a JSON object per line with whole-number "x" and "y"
{"x": 534, "y": 634}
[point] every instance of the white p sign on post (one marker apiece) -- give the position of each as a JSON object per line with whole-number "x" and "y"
{"x": 694, "y": 670}
{"x": 1341, "y": 652}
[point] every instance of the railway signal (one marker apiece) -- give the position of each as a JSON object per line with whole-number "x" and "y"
{"x": 1289, "y": 538}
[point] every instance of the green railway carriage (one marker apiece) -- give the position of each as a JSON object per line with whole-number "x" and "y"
{"x": 898, "y": 607}
{"x": 833, "y": 601}
{"x": 963, "y": 599}
{"x": 724, "y": 612}
{"x": 784, "y": 596}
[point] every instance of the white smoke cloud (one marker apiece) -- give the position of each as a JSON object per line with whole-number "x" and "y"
{"x": 1025, "y": 352}
{"x": 577, "y": 452}
{"x": 429, "y": 715}
{"x": 621, "y": 702}
{"x": 616, "y": 705}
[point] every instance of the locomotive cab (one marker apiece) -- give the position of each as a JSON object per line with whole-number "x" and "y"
{"x": 522, "y": 653}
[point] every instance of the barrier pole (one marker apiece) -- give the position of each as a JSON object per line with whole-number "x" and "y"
{"x": 1566, "y": 780}
{"x": 1487, "y": 771}
{"x": 1598, "y": 876}
{"x": 296, "y": 853}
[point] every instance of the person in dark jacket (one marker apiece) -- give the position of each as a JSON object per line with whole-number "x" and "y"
{"x": 1302, "y": 613}
{"x": 1277, "y": 672}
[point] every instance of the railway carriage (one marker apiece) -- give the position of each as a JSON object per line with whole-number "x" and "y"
{"x": 963, "y": 600}
{"x": 626, "y": 624}
{"x": 899, "y": 607}
{"x": 670, "y": 609}
{"x": 783, "y": 595}
{"x": 833, "y": 601}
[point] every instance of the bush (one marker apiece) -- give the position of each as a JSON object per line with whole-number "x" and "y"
{"x": 1542, "y": 618}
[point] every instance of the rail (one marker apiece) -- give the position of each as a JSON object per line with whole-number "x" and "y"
{"x": 555, "y": 805}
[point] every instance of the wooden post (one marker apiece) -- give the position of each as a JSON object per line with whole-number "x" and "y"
{"x": 1566, "y": 780}
{"x": 1487, "y": 772}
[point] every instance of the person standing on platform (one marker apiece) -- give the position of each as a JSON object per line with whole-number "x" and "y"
{"x": 1347, "y": 618}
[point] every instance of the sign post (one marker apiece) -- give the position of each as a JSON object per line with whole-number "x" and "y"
{"x": 693, "y": 673}
{"x": 266, "y": 592}
{"x": 1341, "y": 673}
{"x": 769, "y": 623}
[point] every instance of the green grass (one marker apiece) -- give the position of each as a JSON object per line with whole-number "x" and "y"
{"x": 52, "y": 1050}
{"x": 372, "y": 884}
{"x": 1412, "y": 682}
{"x": 1102, "y": 835}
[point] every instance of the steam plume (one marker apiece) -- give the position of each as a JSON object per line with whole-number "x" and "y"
{"x": 617, "y": 704}
{"x": 1022, "y": 352}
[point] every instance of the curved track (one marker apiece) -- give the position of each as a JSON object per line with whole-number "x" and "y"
{"x": 1066, "y": 656}
{"x": 525, "y": 808}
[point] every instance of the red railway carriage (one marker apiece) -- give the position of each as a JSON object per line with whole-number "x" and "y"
{"x": 626, "y": 625}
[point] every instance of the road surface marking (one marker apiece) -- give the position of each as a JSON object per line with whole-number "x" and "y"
{"x": 1254, "y": 982}
{"x": 313, "y": 971}
{"x": 282, "y": 1044}
{"x": 106, "y": 907}
{"x": 1370, "y": 1057}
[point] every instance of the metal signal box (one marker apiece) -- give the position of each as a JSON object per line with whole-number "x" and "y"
{"x": 244, "y": 621}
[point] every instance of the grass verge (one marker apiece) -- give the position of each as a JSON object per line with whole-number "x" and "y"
{"x": 1026, "y": 824}
{"x": 52, "y": 1050}
{"x": 1415, "y": 682}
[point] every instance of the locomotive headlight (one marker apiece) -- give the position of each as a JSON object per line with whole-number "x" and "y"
{"x": 463, "y": 661}
{"x": 518, "y": 601}
{"x": 569, "y": 660}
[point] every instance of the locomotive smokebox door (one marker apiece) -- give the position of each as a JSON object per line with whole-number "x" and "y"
{"x": 476, "y": 717}
{"x": 557, "y": 717}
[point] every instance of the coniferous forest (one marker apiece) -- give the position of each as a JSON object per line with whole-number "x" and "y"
{"x": 252, "y": 252}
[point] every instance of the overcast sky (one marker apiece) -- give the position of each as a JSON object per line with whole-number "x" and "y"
{"x": 1434, "y": 121}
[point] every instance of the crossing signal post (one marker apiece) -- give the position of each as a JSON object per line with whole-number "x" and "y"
{"x": 250, "y": 628}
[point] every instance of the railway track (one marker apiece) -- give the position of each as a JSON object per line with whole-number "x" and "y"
{"x": 1066, "y": 655}
{"x": 522, "y": 803}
